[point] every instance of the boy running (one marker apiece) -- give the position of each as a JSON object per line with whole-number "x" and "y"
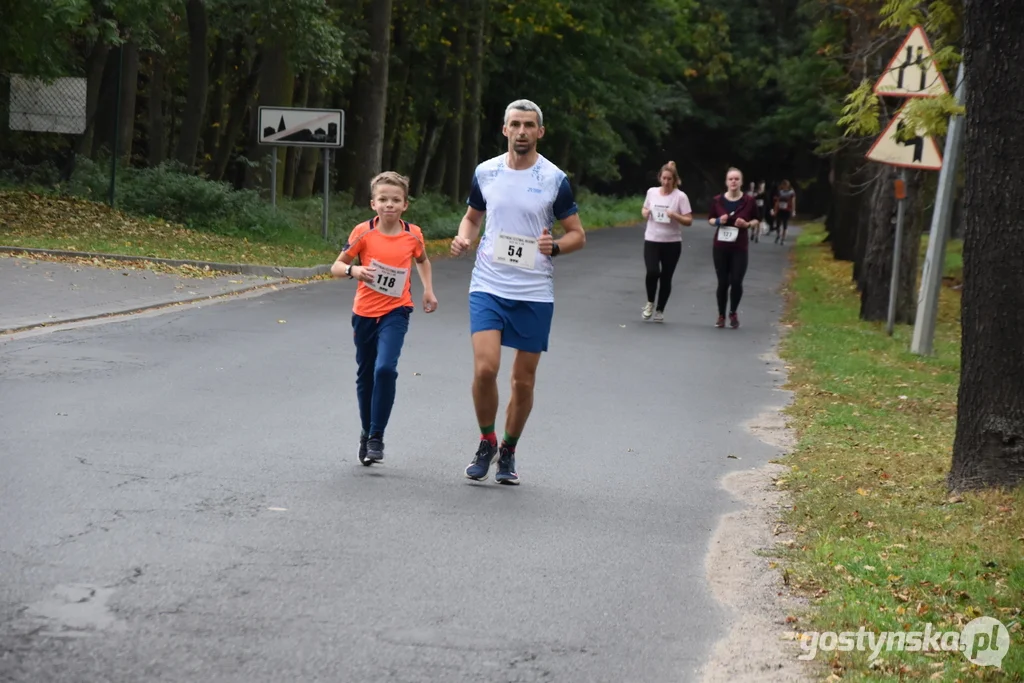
{"x": 386, "y": 246}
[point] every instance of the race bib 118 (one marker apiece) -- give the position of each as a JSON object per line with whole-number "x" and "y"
{"x": 515, "y": 250}
{"x": 388, "y": 280}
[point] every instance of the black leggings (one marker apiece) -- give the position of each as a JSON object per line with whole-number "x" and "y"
{"x": 661, "y": 259}
{"x": 782, "y": 219}
{"x": 731, "y": 266}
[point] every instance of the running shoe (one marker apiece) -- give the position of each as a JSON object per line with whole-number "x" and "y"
{"x": 659, "y": 316}
{"x": 375, "y": 449}
{"x": 648, "y": 310}
{"x": 362, "y": 450}
{"x": 721, "y": 321}
{"x": 506, "y": 472}
{"x": 485, "y": 455}
{"x": 734, "y": 321}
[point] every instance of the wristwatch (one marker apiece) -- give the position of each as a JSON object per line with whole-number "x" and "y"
{"x": 555, "y": 249}
{"x": 348, "y": 271}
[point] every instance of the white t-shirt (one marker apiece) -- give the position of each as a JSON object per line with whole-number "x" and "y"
{"x": 518, "y": 206}
{"x": 661, "y": 228}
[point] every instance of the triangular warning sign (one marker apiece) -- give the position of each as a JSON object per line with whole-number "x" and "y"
{"x": 921, "y": 153}
{"x": 912, "y": 72}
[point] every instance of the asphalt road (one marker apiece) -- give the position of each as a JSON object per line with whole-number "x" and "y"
{"x": 181, "y": 499}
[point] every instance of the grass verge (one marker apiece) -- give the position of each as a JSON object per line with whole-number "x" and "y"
{"x": 879, "y": 542}
{"x": 45, "y": 220}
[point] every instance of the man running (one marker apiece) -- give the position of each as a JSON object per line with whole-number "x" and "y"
{"x": 511, "y": 293}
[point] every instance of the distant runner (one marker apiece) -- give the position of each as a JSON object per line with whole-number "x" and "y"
{"x": 733, "y": 214}
{"x": 667, "y": 210}
{"x": 785, "y": 208}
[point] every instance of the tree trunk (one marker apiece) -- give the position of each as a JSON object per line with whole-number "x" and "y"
{"x": 157, "y": 130}
{"x": 847, "y": 202}
{"x": 913, "y": 228}
{"x": 240, "y": 103}
{"x": 372, "y": 106}
{"x": 129, "y": 91}
{"x": 439, "y": 161}
{"x": 424, "y": 153}
{"x": 398, "y": 108}
{"x": 309, "y": 160}
{"x": 293, "y": 154}
{"x": 989, "y": 447}
{"x": 216, "y": 110}
{"x": 453, "y": 180}
{"x": 95, "y": 65}
{"x": 874, "y": 296}
{"x": 198, "y": 81}
{"x": 471, "y": 124}
{"x": 276, "y": 89}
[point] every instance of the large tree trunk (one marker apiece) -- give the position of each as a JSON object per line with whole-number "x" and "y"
{"x": 989, "y": 447}
{"x": 198, "y": 80}
{"x": 372, "y": 106}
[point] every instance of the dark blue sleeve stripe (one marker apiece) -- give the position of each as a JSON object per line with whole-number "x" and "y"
{"x": 565, "y": 203}
{"x": 476, "y": 197}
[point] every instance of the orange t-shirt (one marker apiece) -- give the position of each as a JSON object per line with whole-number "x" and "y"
{"x": 392, "y": 256}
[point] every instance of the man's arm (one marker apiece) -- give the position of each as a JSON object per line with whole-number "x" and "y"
{"x": 574, "y": 238}
{"x": 469, "y": 230}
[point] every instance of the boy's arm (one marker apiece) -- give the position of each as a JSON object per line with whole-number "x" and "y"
{"x": 423, "y": 268}
{"x": 349, "y": 253}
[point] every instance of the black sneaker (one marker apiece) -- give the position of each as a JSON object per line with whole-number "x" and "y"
{"x": 486, "y": 453}
{"x": 362, "y": 450}
{"x": 375, "y": 449}
{"x": 506, "y": 473}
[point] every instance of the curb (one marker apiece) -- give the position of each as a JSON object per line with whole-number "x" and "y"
{"x": 141, "y": 308}
{"x": 287, "y": 272}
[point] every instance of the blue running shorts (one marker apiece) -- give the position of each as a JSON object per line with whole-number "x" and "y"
{"x": 524, "y": 325}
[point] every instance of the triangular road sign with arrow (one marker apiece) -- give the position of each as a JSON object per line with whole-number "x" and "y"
{"x": 921, "y": 152}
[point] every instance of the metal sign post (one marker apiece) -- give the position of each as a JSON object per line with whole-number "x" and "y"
{"x": 295, "y": 127}
{"x": 931, "y": 275}
{"x": 901, "y": 200}
{"x": 327, "y": 190}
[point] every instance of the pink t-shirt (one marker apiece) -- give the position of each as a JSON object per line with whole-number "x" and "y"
{"x": 661, "y": 228}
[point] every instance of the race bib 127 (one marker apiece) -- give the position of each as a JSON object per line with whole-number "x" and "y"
{"x": 728, "y": 234}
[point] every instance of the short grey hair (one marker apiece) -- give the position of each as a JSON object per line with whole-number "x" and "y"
{"x": 524, "y": 105}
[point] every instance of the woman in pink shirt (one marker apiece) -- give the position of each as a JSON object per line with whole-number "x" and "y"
{"x": 667, "y": 210}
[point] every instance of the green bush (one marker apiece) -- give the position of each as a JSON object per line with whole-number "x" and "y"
{"x": 170, "y": 192}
